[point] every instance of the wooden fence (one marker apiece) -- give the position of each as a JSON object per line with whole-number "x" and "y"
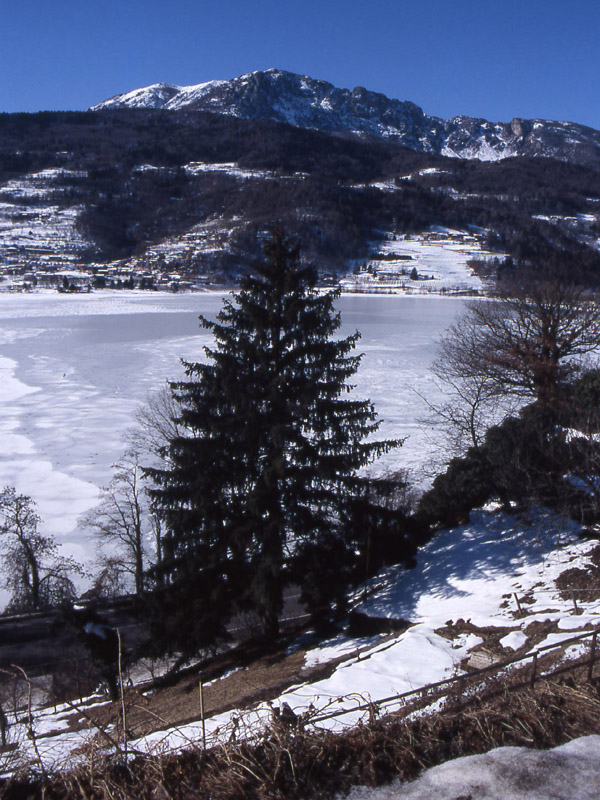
{"x": 443, "y": 688}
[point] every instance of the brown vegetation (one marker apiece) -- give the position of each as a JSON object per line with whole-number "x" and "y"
{"x": 583, "y": 583}
{"x": 288, "y": 761}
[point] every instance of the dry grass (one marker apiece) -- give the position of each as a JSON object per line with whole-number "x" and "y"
{"x": 237, "y": 679}
{"x": 584, "y": 582}
{"x": 298, "y": 762}
{"x": 302, "y": 762}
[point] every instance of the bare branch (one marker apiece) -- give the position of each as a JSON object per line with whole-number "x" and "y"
{"x": 502, "y": 353}
{"x": 33, "y": 568}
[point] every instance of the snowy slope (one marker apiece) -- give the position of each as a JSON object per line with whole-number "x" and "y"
{"x": 463, "y": 574}
{"x": 38, "y": 221}
{"x": 466, "y": 575}
{"x": 440, "y": 257}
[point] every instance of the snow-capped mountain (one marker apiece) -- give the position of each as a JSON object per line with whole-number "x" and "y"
{"x": 307, "y": 103}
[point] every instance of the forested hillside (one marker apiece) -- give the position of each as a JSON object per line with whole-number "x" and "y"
{"x": 195, "y": 192}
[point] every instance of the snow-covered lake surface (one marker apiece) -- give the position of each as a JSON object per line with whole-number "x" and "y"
{"x": 74, "y": 368}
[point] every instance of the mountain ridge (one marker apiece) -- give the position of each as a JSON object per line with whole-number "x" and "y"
{"x": 304, "y": 102}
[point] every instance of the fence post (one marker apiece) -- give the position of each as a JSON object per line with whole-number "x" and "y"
{"x": 201, "y": 688}
{"x": 592, "y": 656}
{"x": 122, "y": 693}
{"x": 518, "y": 604}
{"x": 534, "y": 669}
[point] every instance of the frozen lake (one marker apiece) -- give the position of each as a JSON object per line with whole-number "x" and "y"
{"x": 74, "y": 368}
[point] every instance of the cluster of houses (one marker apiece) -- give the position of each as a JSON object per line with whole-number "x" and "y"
{"x": 75, "y": 278}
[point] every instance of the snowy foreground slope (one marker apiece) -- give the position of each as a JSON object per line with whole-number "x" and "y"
{"x": 459, "y": 600}
{"x": 568, "y": 772}
{"x": 466, "y": 573}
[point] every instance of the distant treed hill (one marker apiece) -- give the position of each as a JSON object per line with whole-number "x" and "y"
{"x": 137, "y": 178}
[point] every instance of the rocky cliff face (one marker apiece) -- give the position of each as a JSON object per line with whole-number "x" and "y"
{"x": 307, "y": 103}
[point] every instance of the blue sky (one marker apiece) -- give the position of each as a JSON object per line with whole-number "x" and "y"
{"x": 490, "y": 59}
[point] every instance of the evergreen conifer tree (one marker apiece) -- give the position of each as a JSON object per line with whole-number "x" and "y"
{"x": 257, "y": 489}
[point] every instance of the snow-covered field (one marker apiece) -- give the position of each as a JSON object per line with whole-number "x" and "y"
{"x": 74, "y": 368}
{"x": 440, "y": 258}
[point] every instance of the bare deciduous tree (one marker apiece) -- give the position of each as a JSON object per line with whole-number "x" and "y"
{"x": 128, "y": 531}
{"x": 502, "y": 353}
{"x": 526, "y": 345}
{"x": 122, "y": 522}
{"x": 36, "y": 573}
{"x": 469, "y": 410}
{"x": 157, "y": 426}
{"x": 111, "y": 579}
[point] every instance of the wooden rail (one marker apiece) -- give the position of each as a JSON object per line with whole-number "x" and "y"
{"x": 448, "y": 683}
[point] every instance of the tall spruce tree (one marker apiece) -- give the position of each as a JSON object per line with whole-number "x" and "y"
{"x": 257, "y": 489}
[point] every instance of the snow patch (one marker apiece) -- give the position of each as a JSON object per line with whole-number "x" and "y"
{"x": 569, "y": 772}
{"x": 514, "y": 640}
